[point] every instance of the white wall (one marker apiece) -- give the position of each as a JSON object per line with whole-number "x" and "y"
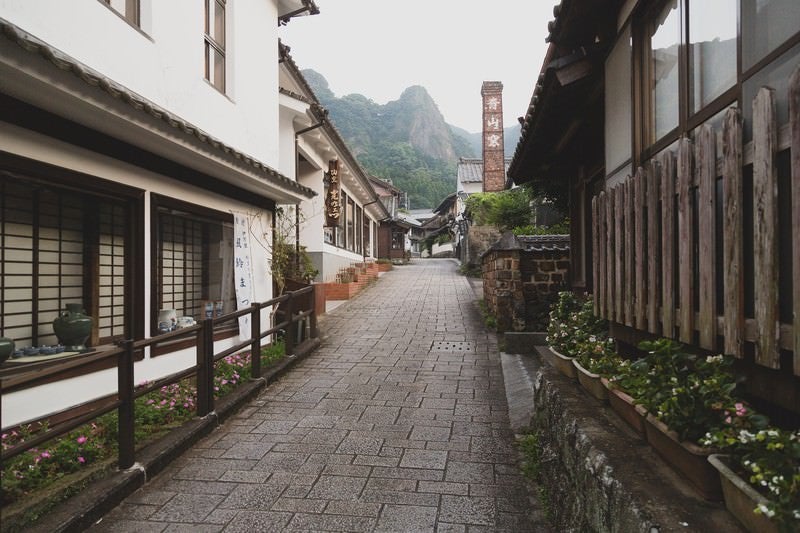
{"x": 165, "y": 64}
{"x": 31, "y": 403}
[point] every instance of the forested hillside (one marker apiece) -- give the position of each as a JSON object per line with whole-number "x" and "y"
{"x": 406, "y": 140}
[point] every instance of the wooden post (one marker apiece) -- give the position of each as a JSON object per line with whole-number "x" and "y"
{"x": 288, "y": 338}
{"x": 794, "y": 120}
{"x": 313, "y": 325}
{"x": 668, "y": 244}
{"x": 707, "y": 236}
{"x": 205, "y": 367}
{"x": 600, "y": 263}
{"x": 255, "y": 335}
{"x": 765, "y": 224}
{"x": 685, "y": 234}
{"x": 619, "y": 269}
{"x": 610, "y": 251}
{"x": 653, "y": 249}
{"x": 595, "y": 251}
{"x": 733, "y": 261}
{"x": 628, "y": 258}
{"x": 125, "y": 419}
{"x": 640, "y": 304}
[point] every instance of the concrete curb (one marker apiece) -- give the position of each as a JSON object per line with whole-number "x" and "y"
{"x": 84, "y": 509}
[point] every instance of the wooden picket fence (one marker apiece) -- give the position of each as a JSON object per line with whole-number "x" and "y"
{"x": 659, "y": 261}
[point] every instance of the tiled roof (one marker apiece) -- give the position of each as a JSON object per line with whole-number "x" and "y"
{"x": 64, "y": 62}
{"x": 470, "y": 170}
{"x": 544, "y": 243}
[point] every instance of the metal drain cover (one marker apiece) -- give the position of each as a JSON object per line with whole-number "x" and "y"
{"x": 453, "y": 346}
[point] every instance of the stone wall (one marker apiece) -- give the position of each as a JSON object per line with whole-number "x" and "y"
{"x": 478, "y": 240}
{"x": 521, "y": 277}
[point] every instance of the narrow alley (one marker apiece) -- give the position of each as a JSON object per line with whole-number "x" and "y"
{"x": 398, "y": 422}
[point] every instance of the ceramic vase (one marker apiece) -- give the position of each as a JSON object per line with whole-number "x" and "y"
{"x": 6, "y": 348}
{"x": 73, "y": 327}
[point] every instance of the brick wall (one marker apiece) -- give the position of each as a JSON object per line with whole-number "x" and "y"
{"x": 520, "y": 280}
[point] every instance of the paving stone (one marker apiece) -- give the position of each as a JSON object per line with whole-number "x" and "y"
{"x": 406, "y": 518}
{"x": 374, "y": 431}
{"x": 429, "y": 459}
{"x": 191, "y": 528}
{"x": 338, "y": 488}
{"x": 187, "y": 508}
{"x": 266, "y": 522}
{"x": 468, "y": 510}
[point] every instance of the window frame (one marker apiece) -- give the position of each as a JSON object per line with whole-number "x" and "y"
{"x": 132, "y": 14}
{"x": 157, "y": 204}
{"x": 131, "y": 200}
{"x": 211, "y": 45}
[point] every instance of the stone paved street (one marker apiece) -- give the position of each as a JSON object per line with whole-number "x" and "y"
{"x": 398, "y": 422}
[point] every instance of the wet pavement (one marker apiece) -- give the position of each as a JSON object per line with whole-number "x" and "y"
{"x": 398, "y": 422}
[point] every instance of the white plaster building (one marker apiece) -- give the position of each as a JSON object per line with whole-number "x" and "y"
{"x": 309, "y": 145}
{"x": 139, "y": 144}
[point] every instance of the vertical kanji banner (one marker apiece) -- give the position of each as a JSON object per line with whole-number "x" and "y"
{"x": 242, "y": 267}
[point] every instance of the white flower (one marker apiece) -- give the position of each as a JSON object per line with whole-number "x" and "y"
{"x": 766, "y": 510}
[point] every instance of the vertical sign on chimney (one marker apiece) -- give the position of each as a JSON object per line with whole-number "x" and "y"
{"x": 494, "y": 170}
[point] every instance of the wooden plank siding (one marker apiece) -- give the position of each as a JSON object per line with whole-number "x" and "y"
{"x": 664, "y": 264}
{"x": 685, "y": 237}
{"x": 596, "y": 248}
{"x": 668, "y": 244}
{"x": 629, "y": 279}
{"x": 653, "y": 247}
{"x": 733, "y": 260}
{"x": 707, "y": 215}
{"x": 640, "y": 300}
{"x": 794, "y": 122}
{"x": 765, "y": 228}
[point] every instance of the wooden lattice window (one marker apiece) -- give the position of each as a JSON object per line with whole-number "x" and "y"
{"x": 194, "y": 247}
{"x": 59, "y": 247}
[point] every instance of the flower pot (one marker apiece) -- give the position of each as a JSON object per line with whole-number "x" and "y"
{"x": 72, "y": 327}
{"x": 625, "y": 407}
{"x": 741, "y": 498}
{"x": 591, "y": 382}
{"x": 6, "y": 349}
{"x": 686, "y": 458}
{"x": 560, "y": 361}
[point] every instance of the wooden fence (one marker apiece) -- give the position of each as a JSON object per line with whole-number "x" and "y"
{"x": 702, "y": 244}
{"x": 296, "y": 306}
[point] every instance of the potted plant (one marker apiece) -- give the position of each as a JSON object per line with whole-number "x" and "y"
{"x": 627, "y": 383}
{"x": 571, "y": 322}
{"x": 760, "y": 472}
{"x": 686, "y": 396}
{"x": 597, "y": 358}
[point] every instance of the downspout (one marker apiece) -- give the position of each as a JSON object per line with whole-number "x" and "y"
{"x": 297, "y": 135}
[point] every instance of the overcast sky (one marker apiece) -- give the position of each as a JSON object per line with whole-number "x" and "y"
{"x": 379, "y": 47}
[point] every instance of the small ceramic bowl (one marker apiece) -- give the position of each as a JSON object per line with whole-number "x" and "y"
{"x": 31, "y": 350}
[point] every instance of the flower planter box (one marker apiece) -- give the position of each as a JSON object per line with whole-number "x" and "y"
{"x": 741, "y": 498}
{"x": 560, "y": 361}
{"x": 624, "y": 406}
{"x": 591, "y": 382}
{"x": 686, "y": 458}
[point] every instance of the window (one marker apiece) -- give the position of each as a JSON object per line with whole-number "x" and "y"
{"x": 766, "y": 24}
{"x": 340, "y": 229}
{"x": 60, "y": 247}
{"x": 359, "y": 229}
{"x": 618, "y": 103}
{"x": 194, "y": 272}
{"x": 215, "y": 43}
{"x": 690, "y": 67}
{"x": 127, "y": 9}
{"x": 398, "y": 239}
{"x": 367, "y": 240}
{"x": 351, "y": 240}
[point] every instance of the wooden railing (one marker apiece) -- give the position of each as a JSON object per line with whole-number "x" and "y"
{"x": 673, "y": 253}
{"x": 294, "y": 307}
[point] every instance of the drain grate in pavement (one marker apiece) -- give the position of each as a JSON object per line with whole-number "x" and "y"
{"x": 453, "y": 346}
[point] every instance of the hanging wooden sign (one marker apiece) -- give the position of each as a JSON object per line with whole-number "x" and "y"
{"x": 333, "y": 200}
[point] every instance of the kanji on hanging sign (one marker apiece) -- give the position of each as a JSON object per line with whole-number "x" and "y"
{"x": 333, "y": 202}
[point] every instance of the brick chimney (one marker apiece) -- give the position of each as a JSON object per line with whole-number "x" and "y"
{"x": 494, "y": 170}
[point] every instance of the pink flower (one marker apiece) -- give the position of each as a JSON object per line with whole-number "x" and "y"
{"x": 741, "y": 410}
{"x": 81, "y": 459}
{"x": 728, "y": 420}
{"x": 224, "y": 381}
{"x": 81, "y": 440}
{"x": 45, "y": 455}
{"x": 5, "y": 435}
